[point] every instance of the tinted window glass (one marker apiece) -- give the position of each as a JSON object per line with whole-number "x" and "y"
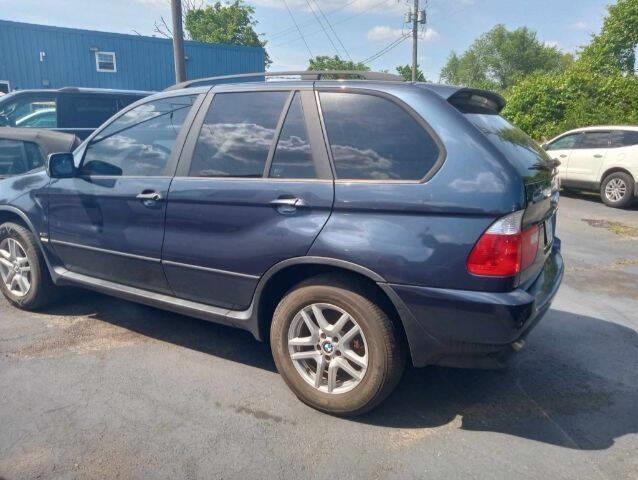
{"x": 564, "y": 143}
{"x": 523, "y": 153}
{"x": 373, "y": 138}
{"x": 594, "y": 140}
{"x": 140, "y": 142}
{"x": 237, "y": 133}
{"x": 27, "y": 110}
{"x": 86, "y": 111}
{"x": 624, "y": 138}
{"x": 293, "y": 156}
{"x": 19, "y": 157}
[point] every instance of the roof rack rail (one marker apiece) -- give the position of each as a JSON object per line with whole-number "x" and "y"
{"x": 304, "y": 74}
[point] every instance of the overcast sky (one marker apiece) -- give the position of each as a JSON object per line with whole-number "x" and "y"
{"x": 364, "y": 27}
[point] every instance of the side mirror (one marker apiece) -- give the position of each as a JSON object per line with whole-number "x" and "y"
{"x": 61, "y": 165}
{"x": 544, "y": 146}
{"x": 4, "y": 121}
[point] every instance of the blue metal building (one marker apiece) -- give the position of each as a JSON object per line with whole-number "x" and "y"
{"x": 39, "y": 56}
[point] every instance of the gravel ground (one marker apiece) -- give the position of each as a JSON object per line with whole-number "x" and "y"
{"x": 101, "y": 388}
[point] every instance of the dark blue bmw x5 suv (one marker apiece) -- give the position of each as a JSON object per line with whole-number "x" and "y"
{"x": 357, "y": 224}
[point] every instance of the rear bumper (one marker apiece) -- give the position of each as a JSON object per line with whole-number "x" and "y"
{"x": 474, "y": 329}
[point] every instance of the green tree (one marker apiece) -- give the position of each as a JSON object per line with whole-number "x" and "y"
{"x": 324, "y": 62}
{"x": 406, "y": 72}
{"x": 600, "y": 87}
{"x": 499, "y": 58}
{"x": 614, "y": 48}
{"x": 231, "y": 23}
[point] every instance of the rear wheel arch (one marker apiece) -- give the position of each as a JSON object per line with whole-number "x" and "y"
{"x": 282, "y": 278}
{"x": 612, "y": 170}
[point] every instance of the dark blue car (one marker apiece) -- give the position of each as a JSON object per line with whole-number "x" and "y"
{"x": 357, "y": 224}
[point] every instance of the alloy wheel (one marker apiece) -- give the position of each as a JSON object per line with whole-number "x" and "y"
{"x": 328, "y": 348}
{"x": 15, "y": 269}
{"x": 615, "y": 189}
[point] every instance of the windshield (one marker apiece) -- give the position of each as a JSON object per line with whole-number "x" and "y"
{"x": 529, "y": 159}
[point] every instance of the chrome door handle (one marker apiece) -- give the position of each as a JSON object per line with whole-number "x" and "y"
{"x": 598, "y": 155}
{"x": 288, "y": 205}
{"x": 149, "y": 196}
{"x": 285, "y": 202}
{"x": 563, "y": 155}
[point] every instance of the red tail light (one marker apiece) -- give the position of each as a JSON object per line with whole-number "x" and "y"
{"x": 504, "y": 250}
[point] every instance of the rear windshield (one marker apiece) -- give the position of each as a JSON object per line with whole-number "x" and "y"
{"x": 529, "y": 159}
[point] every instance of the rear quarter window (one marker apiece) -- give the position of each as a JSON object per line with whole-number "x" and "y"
{"x": 374, "y": 138}
{"x": 523, "y": 153}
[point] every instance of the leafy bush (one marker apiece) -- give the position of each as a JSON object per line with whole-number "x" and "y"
{"x": 599, "y": 88}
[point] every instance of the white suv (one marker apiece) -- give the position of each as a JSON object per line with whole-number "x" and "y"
{"x": 601, "y": 159}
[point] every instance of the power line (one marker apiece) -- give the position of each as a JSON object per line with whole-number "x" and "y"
{"x": 343, "y": 20}
{"x": 298, "y": 29}
{"x": 386, "y": 49}
{"x": 333, "y": 30}
{"x": 289, "y": 30}
{"x": 322, "y": 27}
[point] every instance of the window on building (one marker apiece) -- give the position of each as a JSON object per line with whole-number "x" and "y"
{"x": 293, "y": 156}
{"x": 237, "y": 133}
{"x": 105, "y": 62}
{"x": 373, "y": 138}
{"x": 140, "y": 142}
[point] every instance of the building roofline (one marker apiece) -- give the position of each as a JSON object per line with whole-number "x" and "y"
{"x": 77, "y": 31}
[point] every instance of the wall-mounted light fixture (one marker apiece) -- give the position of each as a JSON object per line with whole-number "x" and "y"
{"x": 93, "y": 49}
{"x": 43, "y": 55}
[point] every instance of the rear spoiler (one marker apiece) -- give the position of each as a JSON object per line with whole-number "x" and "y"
{"x": 472, "y": 100}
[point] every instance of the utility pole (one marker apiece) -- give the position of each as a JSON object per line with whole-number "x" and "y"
{"x": 418, "y": 18}
{"x": 415, "y": 38}
{"x": 178, "y": 41}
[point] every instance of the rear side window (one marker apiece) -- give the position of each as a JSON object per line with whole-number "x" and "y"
{"x": 18, "y": 157}
{"x": 594, "y": 140}
{"x": 523, "y": 153}
{"x": 20, "y": 110}
{"x": 237, "y": 133}
{"x": 373, "y": 138}
{"x": 140, "y": 142}
{"x": 86, "y": 111}
{"x": 293, "y": 156}
{"x": 625, "y": 138}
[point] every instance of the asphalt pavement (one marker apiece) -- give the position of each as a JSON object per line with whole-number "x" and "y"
{"x": 97, "y": 387}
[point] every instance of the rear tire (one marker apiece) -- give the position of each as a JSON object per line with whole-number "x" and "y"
{"x": 358, "y": 371}
{"x": 24, "y": 277}
{"x": 617, "y": 190}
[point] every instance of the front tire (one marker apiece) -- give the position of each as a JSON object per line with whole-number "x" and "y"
{"x": 335, "y": 348}
{"x": 617, "y": 190}
{"x": 24, "y": 278}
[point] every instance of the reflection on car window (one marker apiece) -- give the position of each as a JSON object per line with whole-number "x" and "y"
{"x": 237, "y": 133}
{"x": 293, "y": 156}
{"x": 372, "y": 138}
{"x": 29, "y": 111}
{"x": 140, "y": 142}
{"x": 517, "y": 147}
{"x": 18, "y": 157}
